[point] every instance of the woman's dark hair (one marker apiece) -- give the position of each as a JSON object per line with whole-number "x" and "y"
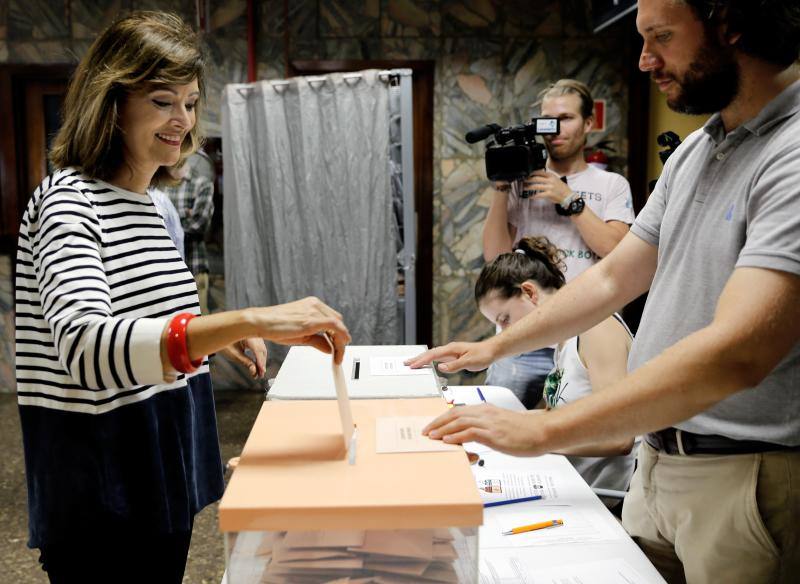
{"x": 770, "y": 29}
{"x": 534, "y": 258}
{"x": 139, "y": 52}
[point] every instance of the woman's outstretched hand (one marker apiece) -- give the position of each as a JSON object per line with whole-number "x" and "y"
{"x": 303, "y": 322}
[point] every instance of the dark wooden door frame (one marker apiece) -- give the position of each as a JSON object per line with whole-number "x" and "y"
{"x": 638, "y": 122}
{"x": 639, "y": 145}
{"x": 15, "y": 148}
{"x": 423, "y": 79}
{"x": 35, "y": 130}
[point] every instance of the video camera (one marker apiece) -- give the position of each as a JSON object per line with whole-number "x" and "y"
{"x": 670, "y": 142}
{"x": 513, "y": 153}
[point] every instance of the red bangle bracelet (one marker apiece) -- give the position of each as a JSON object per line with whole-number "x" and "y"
{"x": 177, "y": 348}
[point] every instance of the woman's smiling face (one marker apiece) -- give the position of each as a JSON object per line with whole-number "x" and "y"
{"x": 155, "y": 122}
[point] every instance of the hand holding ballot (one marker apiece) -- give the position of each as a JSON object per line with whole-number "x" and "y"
{"x": 295, "y": 323}
{"x": 511, "y": 432}
{"x": 300, "y": 322}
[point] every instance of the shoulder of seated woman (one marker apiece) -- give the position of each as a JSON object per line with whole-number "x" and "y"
{"x": 607, "y": 331}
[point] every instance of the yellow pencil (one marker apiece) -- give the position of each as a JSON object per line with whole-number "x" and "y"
{"x": 535, "y": 526}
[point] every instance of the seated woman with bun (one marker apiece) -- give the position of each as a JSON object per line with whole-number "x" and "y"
{"x": 514, "y": 285}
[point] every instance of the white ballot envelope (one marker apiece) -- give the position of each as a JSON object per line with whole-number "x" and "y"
{"x": 343, "y": 401}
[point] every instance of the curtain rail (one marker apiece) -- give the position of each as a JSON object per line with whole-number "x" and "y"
{"x": 387, "y": 76}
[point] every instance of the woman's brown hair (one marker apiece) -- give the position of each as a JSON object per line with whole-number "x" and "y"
{"x": 534, "y": 258}
{"x": 142, "y": 51}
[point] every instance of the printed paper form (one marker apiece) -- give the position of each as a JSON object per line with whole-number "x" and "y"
{"x": 581, "y": 525}
{"x": 394, "y": 366}
{"x": 502, "y": 486}
{"x": 505, "y": 569}
{"x": 404, "y": 434}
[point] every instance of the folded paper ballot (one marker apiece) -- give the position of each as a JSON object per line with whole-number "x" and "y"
{"x": 360, "y": 557}
{"x": 411, "y": 543}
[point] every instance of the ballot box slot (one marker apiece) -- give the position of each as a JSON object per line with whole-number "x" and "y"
{"x": 356, "y": 368}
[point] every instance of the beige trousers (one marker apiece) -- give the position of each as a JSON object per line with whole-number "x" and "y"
{"x": 202, "y": 291}
{"x": 717, "y": 519}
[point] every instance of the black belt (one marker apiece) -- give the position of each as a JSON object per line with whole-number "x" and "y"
{"x": 674, "y": 441}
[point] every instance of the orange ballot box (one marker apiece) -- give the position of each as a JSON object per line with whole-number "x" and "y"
{"x": 296, "y": 511}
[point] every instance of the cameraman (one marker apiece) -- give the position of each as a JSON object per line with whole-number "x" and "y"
{"x": 596, "y": 213}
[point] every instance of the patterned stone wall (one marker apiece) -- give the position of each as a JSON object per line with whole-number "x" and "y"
{"x": 492, "y": 58}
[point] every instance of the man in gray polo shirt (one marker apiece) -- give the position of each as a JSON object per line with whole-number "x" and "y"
{"x": 715, "y": 368}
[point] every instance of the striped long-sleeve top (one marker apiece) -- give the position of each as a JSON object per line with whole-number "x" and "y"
{"x": 105, "y": 437}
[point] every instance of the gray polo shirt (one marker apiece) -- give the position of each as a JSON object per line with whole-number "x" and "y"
{"x": 724, "y": 202}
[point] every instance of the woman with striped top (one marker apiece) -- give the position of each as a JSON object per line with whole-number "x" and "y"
{"x": 118, "y": 422}
{"x": 514, "y": 285}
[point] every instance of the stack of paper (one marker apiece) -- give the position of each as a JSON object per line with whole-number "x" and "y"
{"x": 360, "y": 557}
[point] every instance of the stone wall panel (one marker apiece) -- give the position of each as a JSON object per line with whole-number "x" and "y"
{"x": 491, "y": 61}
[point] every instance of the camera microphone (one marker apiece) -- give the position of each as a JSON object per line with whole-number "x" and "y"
{"x": 481, "y": 133}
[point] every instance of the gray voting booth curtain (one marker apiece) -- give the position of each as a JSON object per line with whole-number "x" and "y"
{"x": 307, "y": 198}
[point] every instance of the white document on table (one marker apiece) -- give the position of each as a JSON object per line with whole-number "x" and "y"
{"x": 505, "y": 485}
{"x": 404, "y": 434}
{"x": 516, "y": 569}
{"x": 342, "y": 399}
{"x": 581, "y": 525}
{"x": 394, "y": 366}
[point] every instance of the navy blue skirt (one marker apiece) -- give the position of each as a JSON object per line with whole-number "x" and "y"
{"x": 152, "y": 464}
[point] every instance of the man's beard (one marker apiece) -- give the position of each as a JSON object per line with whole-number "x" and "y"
{"x": 711, "y": 82}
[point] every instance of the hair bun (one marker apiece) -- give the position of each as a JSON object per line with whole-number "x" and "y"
{"x": 533, "y": 259}
{"x": 542, "y": 248}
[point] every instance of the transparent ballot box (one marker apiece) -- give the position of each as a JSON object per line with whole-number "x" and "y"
{"x": 345, "y": 556}
{"x": 298, "y": 509}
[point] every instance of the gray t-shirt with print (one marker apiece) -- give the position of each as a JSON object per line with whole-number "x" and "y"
{"x": 725, "y": 202}
{"x": 607, "y": 194}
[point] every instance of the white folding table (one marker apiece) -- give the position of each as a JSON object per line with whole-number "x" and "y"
{"x": 580, "y": 499}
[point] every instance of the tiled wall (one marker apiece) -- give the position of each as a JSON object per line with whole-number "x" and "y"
{"x": 492, "y": 58}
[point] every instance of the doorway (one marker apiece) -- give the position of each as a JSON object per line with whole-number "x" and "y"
{"x": 31, "y": 99}
{"x": 422, "y": 82}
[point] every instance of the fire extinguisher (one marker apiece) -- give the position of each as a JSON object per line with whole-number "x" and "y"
{"x": 597, "y": 158}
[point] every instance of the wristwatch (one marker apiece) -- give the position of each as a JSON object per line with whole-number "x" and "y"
{"x": 574, "y": 207}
